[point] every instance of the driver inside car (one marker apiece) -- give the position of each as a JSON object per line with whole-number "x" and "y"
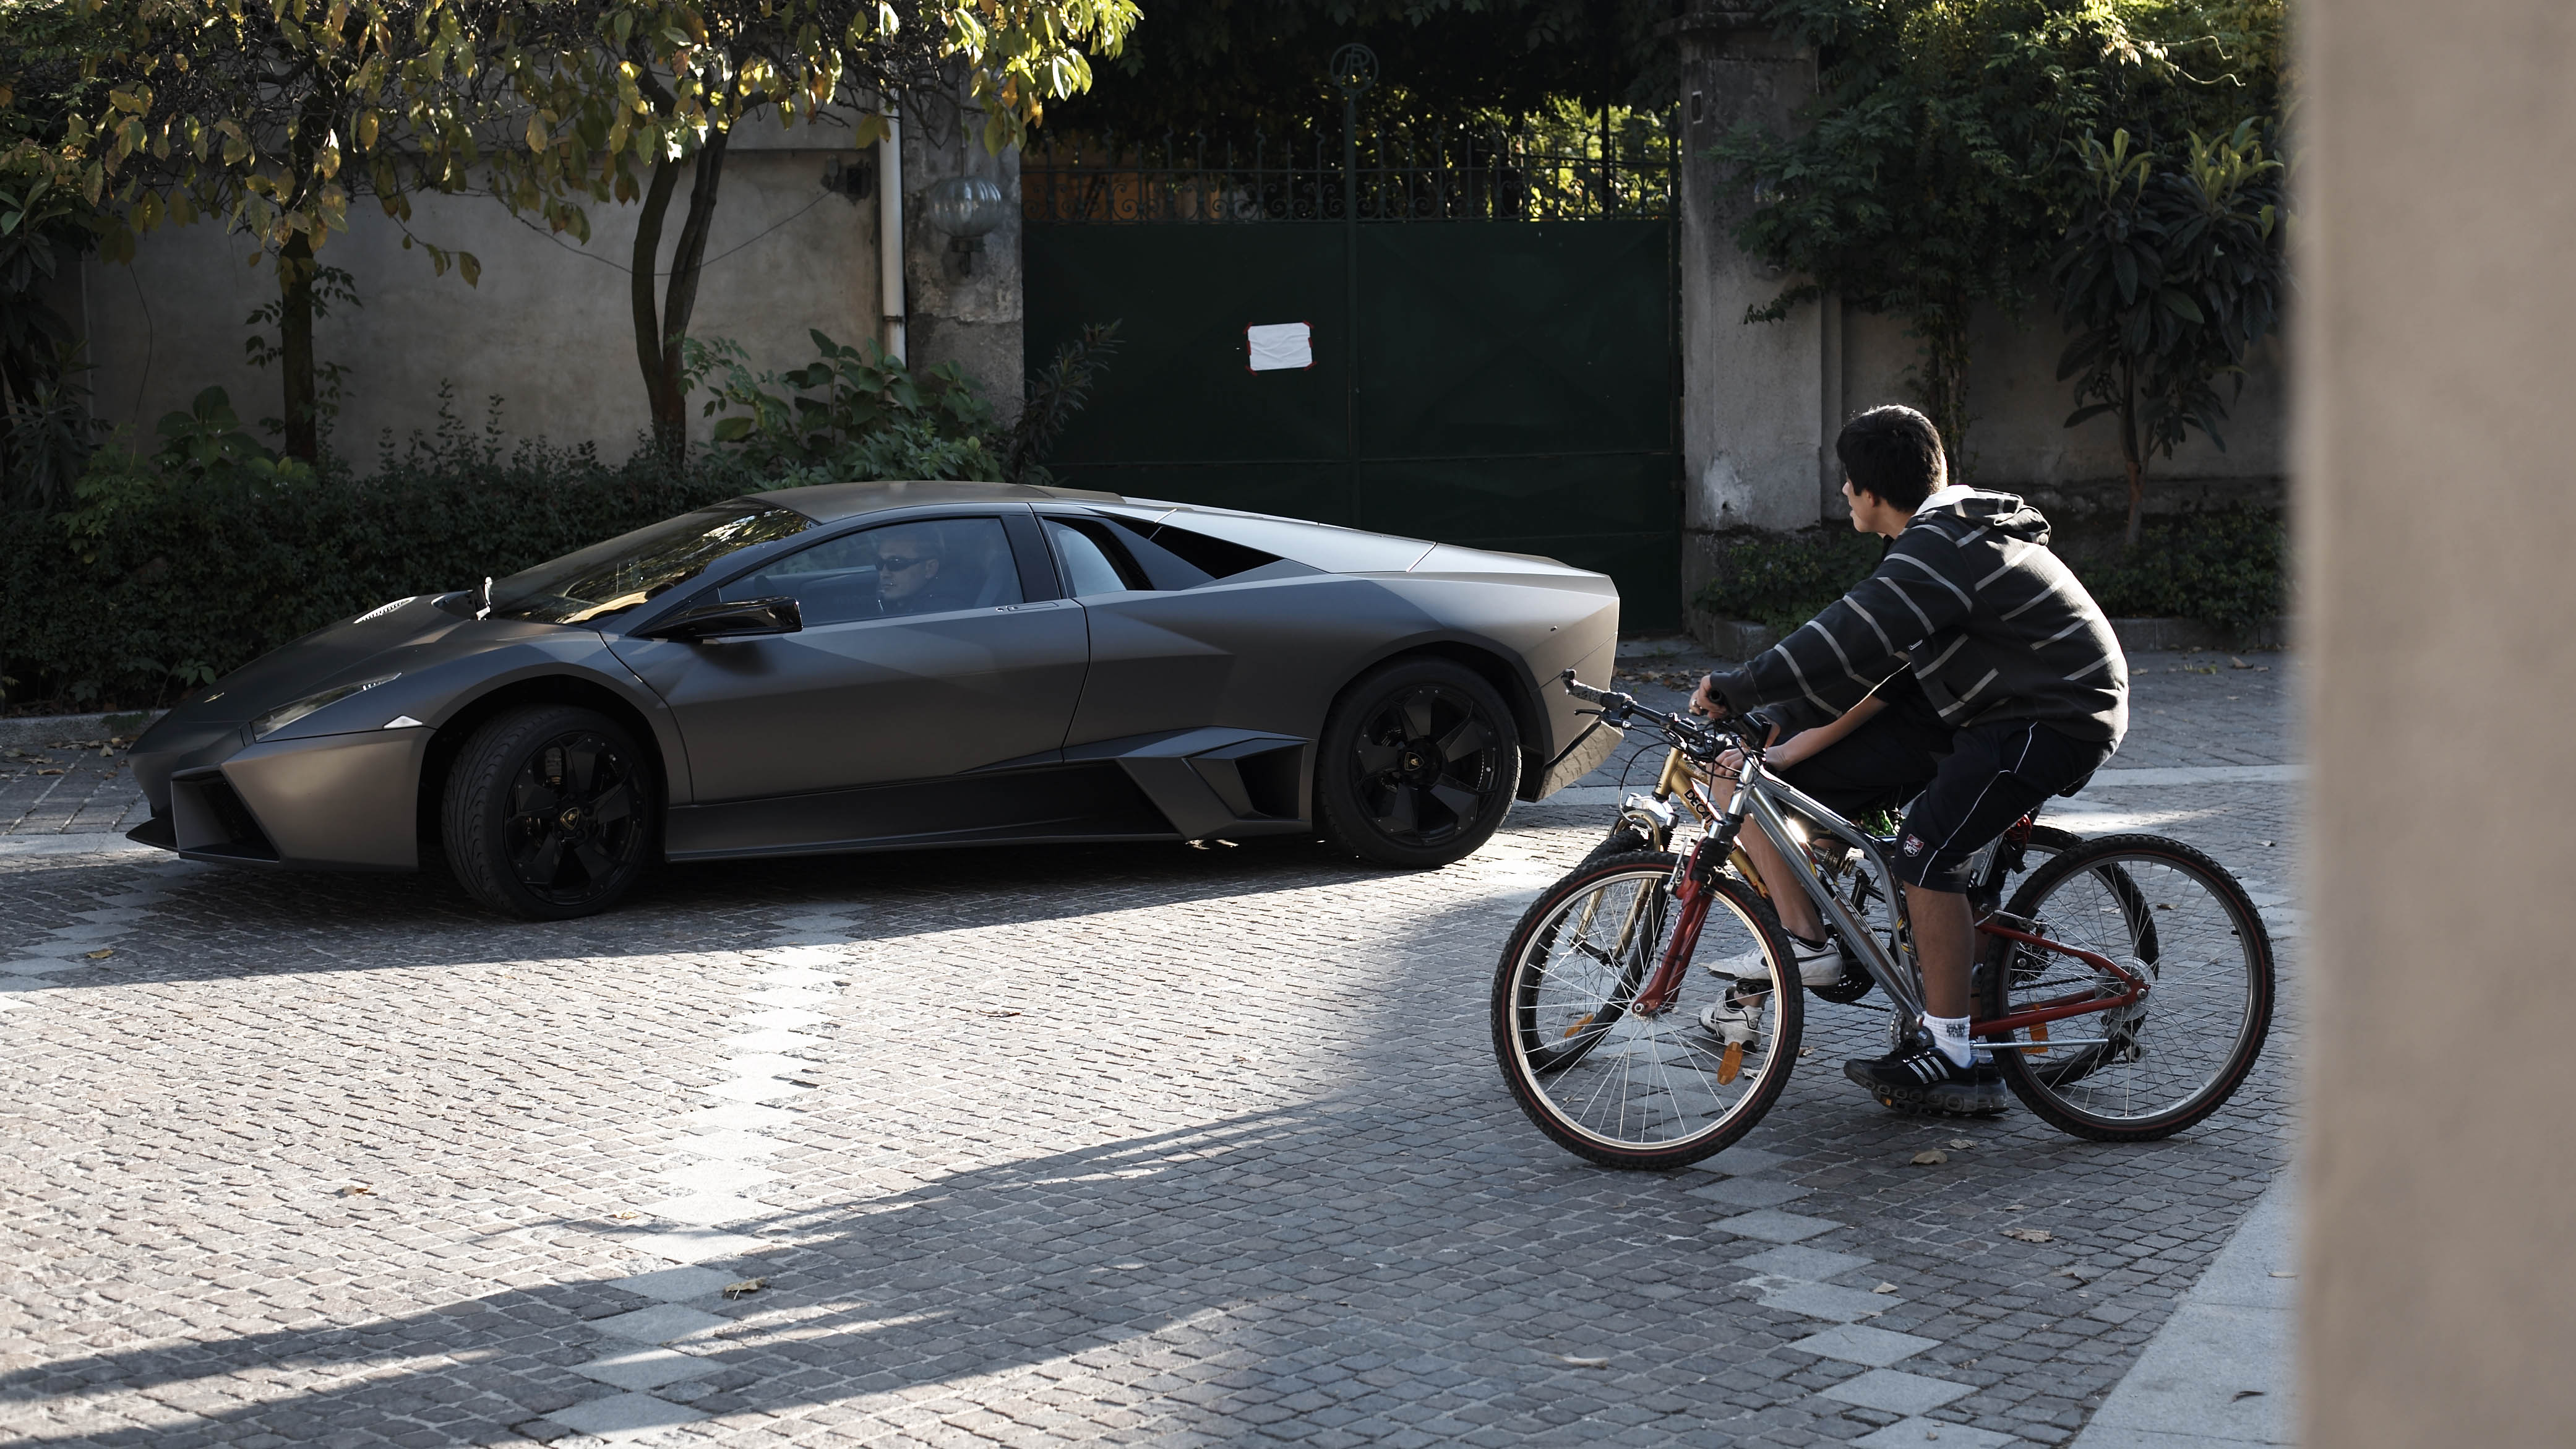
{"x": 909, "y": 560}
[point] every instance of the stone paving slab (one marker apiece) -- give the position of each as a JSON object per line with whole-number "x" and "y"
{"x": 1114, "y": 1145}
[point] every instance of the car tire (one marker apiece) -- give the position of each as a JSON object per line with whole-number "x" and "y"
{"x": 550, "y": 812}
{"x": 1417, "y": 766}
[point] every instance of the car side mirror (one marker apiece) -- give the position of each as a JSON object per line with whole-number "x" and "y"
{"x": 721, "y": 620}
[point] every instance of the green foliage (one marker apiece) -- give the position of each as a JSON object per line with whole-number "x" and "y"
{"x": 2228, "y": 568}
{"x": 853, "y": 413}
{"x": 45, "y": 427}
{"x": 1935, "y": 172}
{"x": 2224, "y": 567}
{"x": 1783, "y": 579}
{"x": 1230, "y": 66}
{"x": 1057, "y": 392}
{"x": 2169, "y": 276}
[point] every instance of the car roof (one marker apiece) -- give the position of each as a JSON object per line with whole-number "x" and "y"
{"x": 832, "y": 502}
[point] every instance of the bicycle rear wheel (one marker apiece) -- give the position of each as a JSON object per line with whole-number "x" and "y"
{"x": 1625, "y": 1087}
{"x": 2170, "y": 914}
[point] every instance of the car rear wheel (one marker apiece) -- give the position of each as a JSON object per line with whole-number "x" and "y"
{"x": 550, "y": 813}
{"x": 1418, "y": 764}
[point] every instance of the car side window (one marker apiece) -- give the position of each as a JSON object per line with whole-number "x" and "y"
{"x": 926, "y": 566}
{"x": 1161, "y": 559}
{"x": 1088, "y": 569}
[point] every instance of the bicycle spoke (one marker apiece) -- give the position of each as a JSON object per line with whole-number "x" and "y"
{"x": 1589, "y": 1065}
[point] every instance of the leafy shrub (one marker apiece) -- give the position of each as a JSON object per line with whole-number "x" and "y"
{"x": 2227, "y": 568}
{"x": 856, "y": 414}
{"x": 1783, "y": 579}
{"x": 2224, "y": 567}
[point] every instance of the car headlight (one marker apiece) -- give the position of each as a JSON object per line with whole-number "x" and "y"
{"x": 287, "y": 714}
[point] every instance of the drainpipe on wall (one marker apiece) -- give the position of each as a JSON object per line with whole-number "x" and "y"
{"x": 890, "y": 232}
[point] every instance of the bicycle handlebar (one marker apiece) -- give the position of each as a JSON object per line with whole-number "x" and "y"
{"x": 1700, "y": 739}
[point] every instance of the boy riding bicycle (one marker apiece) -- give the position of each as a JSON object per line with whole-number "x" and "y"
{"x": 1970, "y": 673}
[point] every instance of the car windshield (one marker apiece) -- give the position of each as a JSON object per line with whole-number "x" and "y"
{"x": 609, "y": 578}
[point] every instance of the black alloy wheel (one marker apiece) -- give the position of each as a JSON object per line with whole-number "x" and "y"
{"x": 551, "y": 813}
{"x": 1420, "y": 760}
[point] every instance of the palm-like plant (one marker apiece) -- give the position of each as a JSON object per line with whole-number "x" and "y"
{"x": 2169, "y": 276}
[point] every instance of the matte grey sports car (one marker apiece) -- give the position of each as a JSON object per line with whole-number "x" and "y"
{"x": 875, "y": 666}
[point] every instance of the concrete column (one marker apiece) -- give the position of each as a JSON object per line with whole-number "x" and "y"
{"x": 2437, "y": 336}
{"x": 1759, "y": 401}
{"x": 967, "y": 314}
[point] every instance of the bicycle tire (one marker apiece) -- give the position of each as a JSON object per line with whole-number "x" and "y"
{"x": 2164, "y": 875}
{"x": 1670, "y": 1070}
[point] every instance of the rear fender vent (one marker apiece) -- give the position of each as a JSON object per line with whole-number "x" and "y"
{"x": 1257, "y": 780}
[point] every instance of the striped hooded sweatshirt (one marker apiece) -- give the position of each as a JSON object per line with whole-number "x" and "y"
{"x": 1994, "y": 626}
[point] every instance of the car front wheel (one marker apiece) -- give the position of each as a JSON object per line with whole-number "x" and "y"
{"x": 1418, "y": 764}
{"x": 550, "y": 813}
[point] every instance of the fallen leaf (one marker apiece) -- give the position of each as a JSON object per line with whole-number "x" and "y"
{"x": 2243, "y": 1394}
{"x": 1583, "y": 1360}
{"x": 997, "y": 1013}
{"x": 2030, "y": 1235}
{"x": 2235, "y": 663}
{"x": 1884, "y": 1288}
{"x": 49, "y": 772}
{"x": 96, "y": 955}
{"x": 1806, "y": 1051}
{"x": 1929, "y": 1158}
{"x": 357, "y": 1189}
{"x": 2016, "y": 1207}
{"x": 626, "y": 1217}
{"x": 2285, "y": 1275}
{"x": 745, "y": 1287}
{"x": 1963, "y": 1143}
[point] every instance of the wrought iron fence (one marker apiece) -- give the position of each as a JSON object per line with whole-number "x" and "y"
{"x": 1411, "y": 174}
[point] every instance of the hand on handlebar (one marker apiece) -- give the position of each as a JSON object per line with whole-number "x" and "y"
{"x": 1704, "y": 700}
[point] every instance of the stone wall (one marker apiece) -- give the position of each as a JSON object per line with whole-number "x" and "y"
{"x": 548, "y": 329}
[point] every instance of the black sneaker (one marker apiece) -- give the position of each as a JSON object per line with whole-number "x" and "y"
{"x": 1927, "y": 1082}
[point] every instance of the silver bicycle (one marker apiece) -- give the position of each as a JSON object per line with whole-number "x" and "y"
{"x": 2145, "y": 949}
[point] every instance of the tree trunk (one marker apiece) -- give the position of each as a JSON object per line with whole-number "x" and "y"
{"x": 658, "y": 337}
{"x": 665, "y": 407}
{"x": 2132, "y": 458}
{"x": 295, "y": 347}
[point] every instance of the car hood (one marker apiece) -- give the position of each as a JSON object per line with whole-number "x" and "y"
{"x": 407, "y": 637}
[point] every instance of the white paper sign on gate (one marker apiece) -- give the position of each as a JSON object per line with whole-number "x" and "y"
{"x": 1277, "y": 345}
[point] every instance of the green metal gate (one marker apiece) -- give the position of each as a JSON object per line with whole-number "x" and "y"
{"x": 1494, "y": 358}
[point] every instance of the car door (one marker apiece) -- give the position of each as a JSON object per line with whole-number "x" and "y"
{"x": 925, "y": 653}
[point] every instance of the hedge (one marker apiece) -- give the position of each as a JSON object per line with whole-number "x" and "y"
{"x": 2225, "y": 567}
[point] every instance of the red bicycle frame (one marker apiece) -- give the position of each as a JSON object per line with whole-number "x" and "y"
{"x": 1659, "y": 989}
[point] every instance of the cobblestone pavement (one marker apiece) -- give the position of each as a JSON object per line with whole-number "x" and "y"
{"x": 1137, "y": 1146}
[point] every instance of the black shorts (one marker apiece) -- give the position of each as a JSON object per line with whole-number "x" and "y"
{"x": 1968, "y": 786}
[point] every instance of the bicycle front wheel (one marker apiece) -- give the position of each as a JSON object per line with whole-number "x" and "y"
{"x": 1620, "y": 1084}
{"x": 2160, "y": 910}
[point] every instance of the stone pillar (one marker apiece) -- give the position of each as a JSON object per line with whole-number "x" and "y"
{"x": 2437, "y": 331}
{"x": 967, "y": 314}
{"x": 1760, "y": 401}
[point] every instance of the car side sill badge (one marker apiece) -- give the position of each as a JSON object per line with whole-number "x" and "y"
{"x": 402, "y": 722}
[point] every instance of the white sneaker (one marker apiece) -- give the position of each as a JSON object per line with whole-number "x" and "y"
{"x": 1815, "y": 965}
